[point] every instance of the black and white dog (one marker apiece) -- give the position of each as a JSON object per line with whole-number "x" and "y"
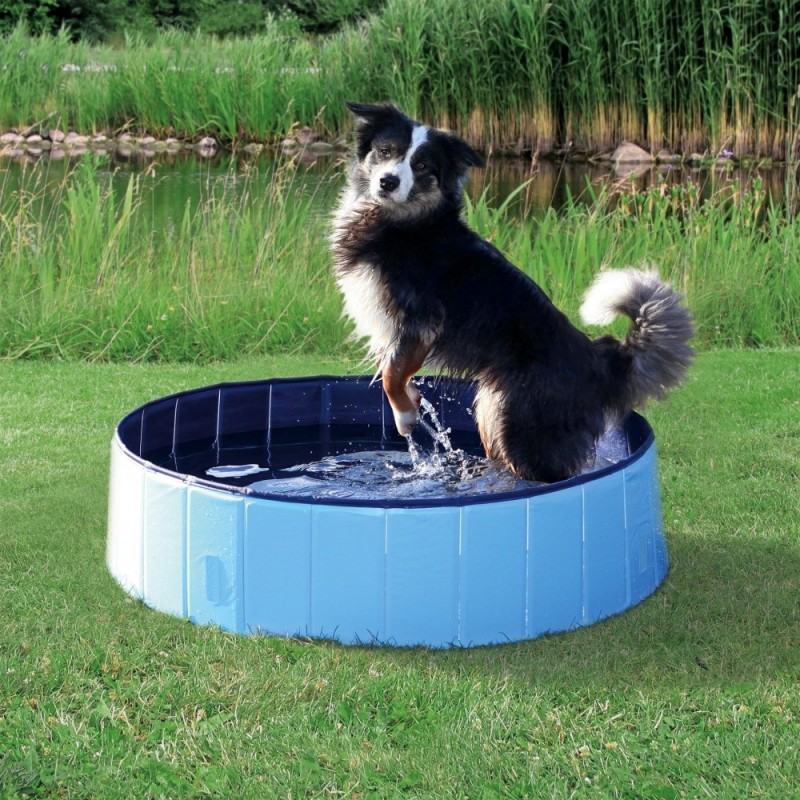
{"x": 424, "y": 289}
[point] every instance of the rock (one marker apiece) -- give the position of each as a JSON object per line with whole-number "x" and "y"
{"x": 305, "y": 135}
{"x": 10, "y": 138}
{"x": 306, "y": 157}
{"x": 253, "y": 148}
{"x": 205, "y": 144}
{"x": 630, "y": 170}
{"x": 629, "y": 153}
{"x": 321, "y": 148}
{"x": 56, "y": 135}
{"x": 73, "y": 139}
{"x": 667, "y": 157}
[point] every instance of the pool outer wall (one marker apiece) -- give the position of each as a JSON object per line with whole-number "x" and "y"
{"x": 459, "y": 573}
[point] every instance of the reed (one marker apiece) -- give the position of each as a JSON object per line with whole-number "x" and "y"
{"x": 693, "y": 76}
{"x": 238, "y": 273}
{"x": 90, "y": 276}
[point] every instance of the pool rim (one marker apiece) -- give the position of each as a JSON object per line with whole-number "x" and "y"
{"x": 645, "y": 432}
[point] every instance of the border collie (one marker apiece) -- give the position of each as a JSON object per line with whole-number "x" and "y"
{"x": 424, "y": 289}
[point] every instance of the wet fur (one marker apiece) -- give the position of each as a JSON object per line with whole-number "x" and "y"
{"x": 423, "y": 288}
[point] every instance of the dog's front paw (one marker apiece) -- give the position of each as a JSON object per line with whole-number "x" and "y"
{"x": 406, "y": 421}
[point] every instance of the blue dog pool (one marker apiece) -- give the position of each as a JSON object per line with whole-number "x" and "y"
{"x": 201, "y": 524}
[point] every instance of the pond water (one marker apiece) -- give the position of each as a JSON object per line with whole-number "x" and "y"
{"x": 169, "y": 182}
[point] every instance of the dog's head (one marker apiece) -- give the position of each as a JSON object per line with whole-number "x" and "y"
{"x": 406, "y": 167}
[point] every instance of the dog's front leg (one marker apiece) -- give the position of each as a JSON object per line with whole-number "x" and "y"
{"x": 397, "y": 370}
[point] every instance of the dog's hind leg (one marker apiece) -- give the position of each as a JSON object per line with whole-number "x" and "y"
{"x": 489, "y": 408}
{"x": 509, "y": 424}
{"x": 397, "y": 369}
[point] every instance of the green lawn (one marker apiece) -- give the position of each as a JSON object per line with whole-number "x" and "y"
{"x": 695, "y": 693}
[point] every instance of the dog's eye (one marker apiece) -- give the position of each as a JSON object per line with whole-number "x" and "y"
{"x": 419, "y": 166}
{"x": 384, "y": 152}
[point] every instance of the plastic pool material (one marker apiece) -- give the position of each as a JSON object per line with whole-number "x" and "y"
{"x": 464, "y": 570}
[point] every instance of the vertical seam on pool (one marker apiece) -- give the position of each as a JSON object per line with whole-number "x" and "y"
{"x": 174, "y": 453}
{"x": 143, "y": 506}
{"x": 185, "y": 554}
{"x": 385, "y": 619}
{"x": 269, "y": 429}
{"x": 141, "y": 435}
{"x": 626, "y": 539}
{"x": 527, "y": 604}
{"x": 219, "y": 420}
{"x": 584, "y": 571}
{"x": 241, "y": 572}
{"x": 310, "y": 620}
{"x": 459, "y": 573}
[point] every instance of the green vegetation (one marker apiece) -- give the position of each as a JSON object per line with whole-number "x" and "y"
{"x": 707, "y": 76}
{"x": 107, "y": 20}
{"x": 695, "y": 693}
{"x": 87, "y": 275}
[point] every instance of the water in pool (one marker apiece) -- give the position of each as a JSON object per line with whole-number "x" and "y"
{"x": 363, "y": 464}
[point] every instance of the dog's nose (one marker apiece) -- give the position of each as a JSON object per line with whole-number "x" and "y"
{"x": 389, "y": 183}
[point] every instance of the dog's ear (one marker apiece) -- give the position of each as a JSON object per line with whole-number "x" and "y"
{"x": 372, "y": 113}
{"x": 462, "y": 154}
{"x": 369, "y": 120}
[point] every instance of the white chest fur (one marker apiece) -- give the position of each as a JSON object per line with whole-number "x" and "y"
{"x": 365, "y": 305}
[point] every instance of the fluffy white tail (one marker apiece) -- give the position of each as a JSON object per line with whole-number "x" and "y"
{"x": 658, "y": 340}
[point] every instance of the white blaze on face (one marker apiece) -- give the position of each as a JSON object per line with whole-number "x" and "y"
{"x": 400, "y": 168}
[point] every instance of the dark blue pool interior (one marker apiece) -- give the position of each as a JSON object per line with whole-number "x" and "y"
{"x": 282, "y": 422}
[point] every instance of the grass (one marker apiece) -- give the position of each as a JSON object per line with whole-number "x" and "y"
{"x": 93, "y": 277}
{"x": 695, "y": 693}
{"x": 87, "y": 274}
{"x": 692, "y": 76}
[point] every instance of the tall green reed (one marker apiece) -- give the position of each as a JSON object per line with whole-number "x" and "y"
{"x": 733, "y": 255}
{"x": 246, "y": 269}
{"x": 238, "y": 273}
{"x": 700, "y": 76}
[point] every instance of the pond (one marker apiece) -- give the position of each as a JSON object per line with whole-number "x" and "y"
{"x": 170, "y": 181}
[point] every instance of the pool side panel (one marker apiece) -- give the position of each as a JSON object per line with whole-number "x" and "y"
{"x": 422, "y": 576}
{"x": 492, "y": 575}
{"x": 346, "y": 569}
{"x": 659, "y": 539}
{"x": 125, "y": 520}
{"x": 641, "y": 527}
{"x": 277, "y": 559}
{"x": 605, "y": 566}
{"x": 214, "y": 558}
{"x": 555, "y": 562}
{"x": 164, "y": 537}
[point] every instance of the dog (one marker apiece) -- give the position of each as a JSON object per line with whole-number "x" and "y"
{"x": 426, "y": 290}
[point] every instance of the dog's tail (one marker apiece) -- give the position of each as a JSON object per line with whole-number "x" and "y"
{"x": 657, "y": 343}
